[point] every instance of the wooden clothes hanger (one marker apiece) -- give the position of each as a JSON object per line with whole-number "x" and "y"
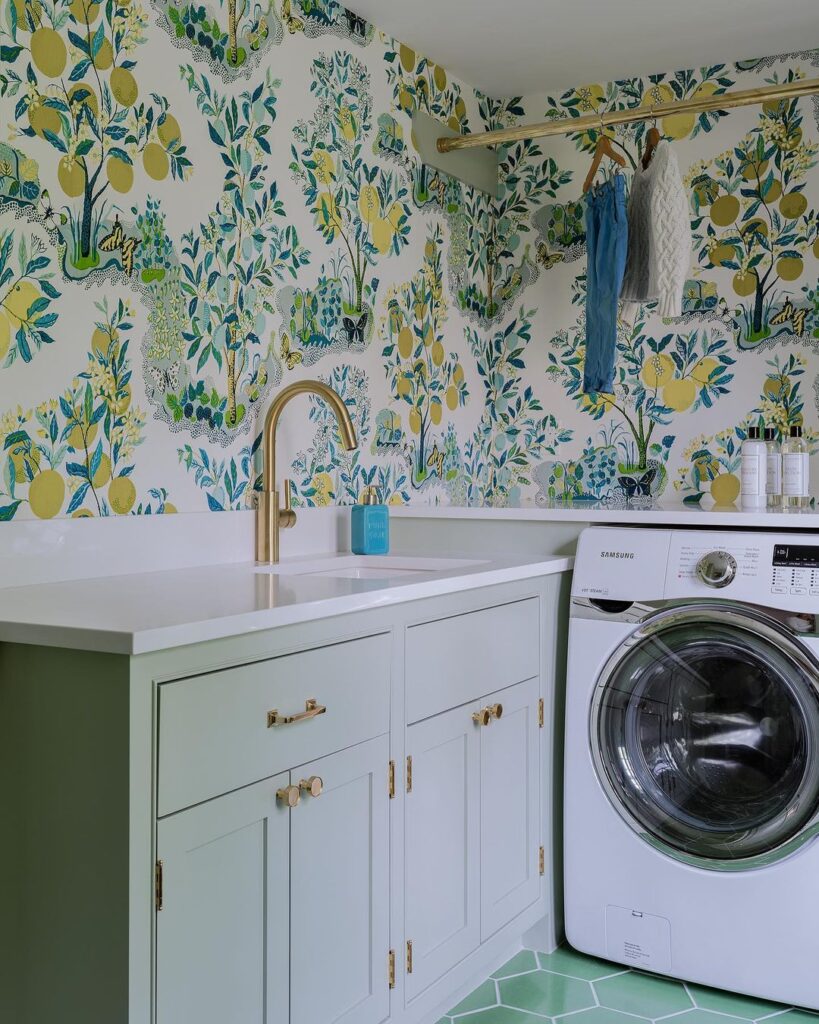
{"x": 603, "y": 148}
{"x": 652, "y": 141}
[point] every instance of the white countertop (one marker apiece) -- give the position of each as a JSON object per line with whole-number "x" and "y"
{"x": 151, "y": 611}
{"x": 661, "y": 514}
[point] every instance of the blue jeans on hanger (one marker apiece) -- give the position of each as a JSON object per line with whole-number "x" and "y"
{"x": 606, "y": 247}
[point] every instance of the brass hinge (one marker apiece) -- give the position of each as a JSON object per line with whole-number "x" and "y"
{"x": 392, "y": 779}
{"x": 391, "y": 967}
{"x": 409, "y": 773}
{"x": 409, "y": 956}
{"x": 541, "y": 861}
{"x": 540, "y": 712}
{"x": 158, "y": 885}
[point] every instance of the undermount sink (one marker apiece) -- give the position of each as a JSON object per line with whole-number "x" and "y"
{"x": 369, "y": 567}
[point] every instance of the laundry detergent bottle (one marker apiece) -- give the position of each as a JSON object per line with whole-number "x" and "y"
{"x": 370, "y": 526}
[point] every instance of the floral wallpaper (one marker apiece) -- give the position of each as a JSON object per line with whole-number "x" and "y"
{"x": 202, "y": 202}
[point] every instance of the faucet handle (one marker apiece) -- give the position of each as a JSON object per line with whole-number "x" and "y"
{"x": 287, "y": 516}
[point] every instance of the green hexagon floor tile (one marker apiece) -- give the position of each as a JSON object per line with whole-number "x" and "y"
{"x": 546, "y": 993}
{"x": 567, "y": 987}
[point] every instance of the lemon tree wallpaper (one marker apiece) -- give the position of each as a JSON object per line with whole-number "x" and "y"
{"x": 201, "y": 202}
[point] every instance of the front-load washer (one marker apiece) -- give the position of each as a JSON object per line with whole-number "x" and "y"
{"x": 691, "y": 801}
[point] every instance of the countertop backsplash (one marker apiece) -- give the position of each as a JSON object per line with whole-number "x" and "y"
{"x": 196, "y": 210}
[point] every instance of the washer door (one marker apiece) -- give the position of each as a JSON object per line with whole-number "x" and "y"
{"x": 705, "y": 735}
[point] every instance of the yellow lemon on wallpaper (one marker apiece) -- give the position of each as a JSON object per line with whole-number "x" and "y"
{"x": 725, "y": 210}
{"x": 436, "y": 411}
{"x": 744, "y": 282}
{"x": 369, "y": 204}
{"x": 120, "y": 174}
{"x": 394, "y": 215}
{"x": 460, "y": 108}
{"x": 84, "y": 12}
{"x": 46, "y": 494}
{"x": 437, "y": 353}
{"x": 721, "y": 254}
{"x": 77, "y": 442}
{"x": 791, "y": 140}
{"x": 429, "y": 335}
{"x": 419, "y": 368}
{"x": 407, "y": 57}
{"x": 792, "y": 205}
{"x": 82, "y": 513}
{"x": 325, "y": 168}
{"x": 775, "y": 387}
{"x": 124, "y": 402}
{"x": 23, "y": 8}
{"x": 405, "y": 342}
{"x": 679, "y": 395}
{"x": 169, "y": 509}
{"x": 439, "y": 77}
{"x": 122, "y": 495}
{"x": 451, "y": 398}
{"x": 453, "y": 123}
{"x": 105, "y": 55}
{"x": 772, "y": 192}
{"x": 657, "y": 370}
{"x": 403, "y": 386}
{"x": 169, "y": 132}
{"x": 103, "y": 474}
{"x": 124, "y": 87}
{"x": 405, "y": 100}
{"x": 155, "y": 161}
{"x": 48, "y": 52}
{"x": 415, "y": 421}
{"x": 678, "y": 126}
{"x": 24, "y": 461}
{"x": 458, "y": 373}
{"x": 5, "y": 334}
{"x": 323, "y": 485}
{"x": 382, "y": 234}
{"x": 789, "y": 268}
{"x": 100, "y": 340}
{"x": 816, "y": 248}
{"x": 751, "y": 170}
{"x": 755, "y": 226}
{"x": 43, "y": 119}
{"x": 725, "y": 488}
{"x": 395, "y": 499}
{"x": 18, "y": 302}
{"x": 71, "y": 177}
{"x": 82, "y": 95}
{"x": 703, "y": 369}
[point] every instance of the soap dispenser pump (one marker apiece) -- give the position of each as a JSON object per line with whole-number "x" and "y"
{"x": 370, "y": 525}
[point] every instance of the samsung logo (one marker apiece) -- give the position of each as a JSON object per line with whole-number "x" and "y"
{"x": 617, "y": 554}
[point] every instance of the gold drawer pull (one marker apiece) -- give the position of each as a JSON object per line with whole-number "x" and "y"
{"x": 311, "y": 709}
{"x": 289, "y": 796}
{"x": 314, "y": 786}
{"x": 485, "y": 715}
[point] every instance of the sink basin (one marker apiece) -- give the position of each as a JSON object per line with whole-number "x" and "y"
{"x": 369, "y": 567}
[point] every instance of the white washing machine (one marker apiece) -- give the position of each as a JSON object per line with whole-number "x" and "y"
{"x": 692, "y": 757}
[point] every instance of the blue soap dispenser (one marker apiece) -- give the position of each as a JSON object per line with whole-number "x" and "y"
{"x": 370, "y": 525}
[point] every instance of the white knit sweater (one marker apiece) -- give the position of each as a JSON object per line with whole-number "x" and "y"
{"x": 659, "y": 236}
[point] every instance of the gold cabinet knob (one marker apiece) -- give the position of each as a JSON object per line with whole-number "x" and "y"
{"x": 289, "y": 796}
{"x": 485, "y": 715}
{"x": 312, "y": 786}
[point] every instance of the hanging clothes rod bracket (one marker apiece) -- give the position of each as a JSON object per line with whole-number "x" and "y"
{"x": 572, "y": 125}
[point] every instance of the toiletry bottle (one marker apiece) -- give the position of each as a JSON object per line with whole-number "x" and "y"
{"x": 370, "y": 525}
{"x": 795, "y": 471}
{"x": 774, "y": 465}
{"x": 753, "y": 471}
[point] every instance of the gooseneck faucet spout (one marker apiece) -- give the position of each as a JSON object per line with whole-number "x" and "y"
{"x": 270, "y": 518}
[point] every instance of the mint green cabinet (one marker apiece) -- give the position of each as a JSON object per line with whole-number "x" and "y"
{"x": 222, "y": 922}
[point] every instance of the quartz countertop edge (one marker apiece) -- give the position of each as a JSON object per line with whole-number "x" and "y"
{"x": 143, "y": 613}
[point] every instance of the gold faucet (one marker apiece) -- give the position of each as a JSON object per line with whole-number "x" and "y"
{"x": 270, "y": 518}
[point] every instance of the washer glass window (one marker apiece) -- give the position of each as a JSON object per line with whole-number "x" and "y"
{"x": 707, "y": 733}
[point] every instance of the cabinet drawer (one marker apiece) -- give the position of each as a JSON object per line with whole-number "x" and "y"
{"x": 455, "y": 660}
{"x": 213, "y": 729}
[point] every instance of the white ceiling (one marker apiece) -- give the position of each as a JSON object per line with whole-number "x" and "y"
{"x": 517, "y": 47}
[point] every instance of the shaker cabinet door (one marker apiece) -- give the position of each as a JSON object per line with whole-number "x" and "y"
{"x": 222, "y": 930}
{"x": 510, "y": 788}
{"x": 340, "y": 898}
{"x": 442, "y": 843}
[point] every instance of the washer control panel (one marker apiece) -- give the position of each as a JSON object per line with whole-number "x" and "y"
{"x": 795, "y": 569}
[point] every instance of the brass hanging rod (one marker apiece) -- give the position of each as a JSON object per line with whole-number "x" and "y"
{"x": 570, "y": 125}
